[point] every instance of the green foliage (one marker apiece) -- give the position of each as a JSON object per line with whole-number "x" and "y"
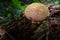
{"x": 36, "y": 0}
{"x": 8, "y": 9}
{"x": 16, "y": 3}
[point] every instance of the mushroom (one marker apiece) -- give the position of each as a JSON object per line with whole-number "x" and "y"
{"x": 2, "y": 32}
{"x": 36, "y": 12}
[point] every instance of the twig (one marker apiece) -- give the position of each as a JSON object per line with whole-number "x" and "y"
{"x": 10, "y": 36}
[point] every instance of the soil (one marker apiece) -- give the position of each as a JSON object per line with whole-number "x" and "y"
{"x": 22, "y": 29}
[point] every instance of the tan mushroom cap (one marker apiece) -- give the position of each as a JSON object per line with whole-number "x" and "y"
{"x": 2, "y": 31}
{"x": 36, "y": 12}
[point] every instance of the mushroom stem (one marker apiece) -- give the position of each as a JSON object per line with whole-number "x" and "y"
{"x": 35, "y": 22}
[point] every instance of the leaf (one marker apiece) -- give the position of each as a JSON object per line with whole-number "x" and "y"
{"x": 56, "y": 2}
{"x": 36, "y": 0}
{"x": 17, "y": 3}
{"x": 9, "y": 15}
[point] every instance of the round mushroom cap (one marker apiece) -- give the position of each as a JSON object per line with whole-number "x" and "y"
{"x": 36, "y": 12}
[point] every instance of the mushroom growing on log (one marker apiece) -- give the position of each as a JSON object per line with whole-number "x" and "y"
{"x": 36, "y": 12}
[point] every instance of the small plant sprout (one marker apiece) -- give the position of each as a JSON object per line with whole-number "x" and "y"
{"x": 36, "y": 12}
